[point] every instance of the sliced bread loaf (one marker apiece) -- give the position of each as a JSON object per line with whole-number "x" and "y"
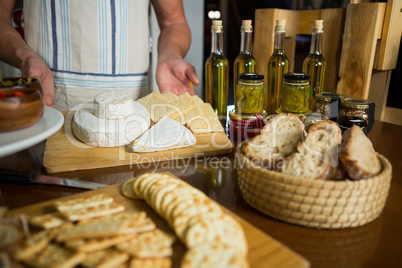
{"x": 316, "y": 157}
{"x": 277, "y": 140}
{"x": 358, "y": 156}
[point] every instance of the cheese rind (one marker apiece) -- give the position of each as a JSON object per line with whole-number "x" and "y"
{"x": 164, "y": 135}
{"x": 100, "y": 132}
{"x": 113, "y": 105}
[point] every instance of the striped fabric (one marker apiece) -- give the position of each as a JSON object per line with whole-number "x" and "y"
{"x": 90, "y": 46}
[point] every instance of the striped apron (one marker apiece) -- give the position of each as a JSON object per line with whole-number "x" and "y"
{"x": 91, "y": 46}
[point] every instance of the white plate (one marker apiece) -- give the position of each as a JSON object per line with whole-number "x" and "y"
{"x": 18, "y": 140}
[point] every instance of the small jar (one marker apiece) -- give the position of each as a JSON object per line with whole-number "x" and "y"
{"x": 328, "y": 104}
{"x": 249, "y": 93}
{"x": 354, "y": 112}
{"x": 244, "y": 126}
{"x": 295, "y": 93}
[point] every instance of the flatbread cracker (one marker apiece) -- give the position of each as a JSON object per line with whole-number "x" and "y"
{"x": 104, "y": 227}
{"x": 92, "y": 212}
{"x": 105, "y": 258}
{"x": 96, "y": 244}
{"x": 55, "y": 255}
{"x": 48, "y": 221}
{"x": 79, "y": 203}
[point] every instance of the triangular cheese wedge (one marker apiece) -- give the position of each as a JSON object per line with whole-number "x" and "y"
{"x": 164, "y": 135}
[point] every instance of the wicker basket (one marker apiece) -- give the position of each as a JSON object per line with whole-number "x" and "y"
{"x": 313, "y": 203}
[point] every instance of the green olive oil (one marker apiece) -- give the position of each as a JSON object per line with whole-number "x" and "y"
{"x": 217, "y": 74}
{"x": 278, "y": 65}
{"x": 315, "y": 63}
{"x": 245, "y": 61}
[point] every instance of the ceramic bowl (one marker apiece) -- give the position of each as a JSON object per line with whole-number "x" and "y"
{"x": 21, "y": 106}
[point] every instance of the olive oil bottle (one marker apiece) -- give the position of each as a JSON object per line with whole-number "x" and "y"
{"x": 245, "y": 61}
{"x": 278, "y": 65}
{"x": 217, "y": 73}
{"x": 315, "y": 63}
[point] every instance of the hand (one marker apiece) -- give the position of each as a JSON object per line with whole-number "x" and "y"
{"x": 34, "y": 66}
{"x": 176, "y": 75}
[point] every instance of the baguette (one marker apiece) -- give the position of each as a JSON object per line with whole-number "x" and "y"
{"x": 317, "y": 156}
{"x": 277, "y": 140}
{"x": 358, "y": 156}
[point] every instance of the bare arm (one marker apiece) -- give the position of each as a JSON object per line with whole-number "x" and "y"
{"x": 14, "y": 51}
{"x": 173, "y": 73}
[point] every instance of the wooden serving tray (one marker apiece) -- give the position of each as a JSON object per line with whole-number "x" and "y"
{"x": 264, "y": 251}
{"x": 65, "y": 153}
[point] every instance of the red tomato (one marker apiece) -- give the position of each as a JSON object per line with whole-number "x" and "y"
{"x": 18, "y": 94}
{"x": 2, "y": 95}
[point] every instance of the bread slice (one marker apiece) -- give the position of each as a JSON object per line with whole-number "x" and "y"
{"x": 358, "y": 156}
{"x": 316, "y": 157}
{"x": 277, "y": 140}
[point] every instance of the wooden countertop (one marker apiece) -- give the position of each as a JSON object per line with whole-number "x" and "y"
{"x": 377, "y": 244}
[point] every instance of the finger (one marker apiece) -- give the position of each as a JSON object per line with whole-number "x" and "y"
{"x": 192, "y": 76}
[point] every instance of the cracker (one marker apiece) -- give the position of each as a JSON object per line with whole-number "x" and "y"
{"x": 214, "y": 230}
{"x": 157, "y": 106}
{"x": 9, "y": 234}
{"x": 92, "y": 212}
{"x": 105, "y": 258}
{"x": 79, "y": 203}
{"x": 127, "y": 189}
{"x": 206, "y": 255}
{"x": 32, "y": 245}
{"x": 104, "y": 227}
{"x": 48, "y": 221}
{"x": 146, "y": 226}
{"x": 56, "y": 256}
{"x": 150, "y": 263}
{"x": 96, "y": 244}
{"x": 206, "y": 122}
{"x": 152, "y": 244}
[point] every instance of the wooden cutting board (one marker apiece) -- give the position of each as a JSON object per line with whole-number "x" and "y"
{"x": 65, "y": 153}
{"x": 264, "y": 251}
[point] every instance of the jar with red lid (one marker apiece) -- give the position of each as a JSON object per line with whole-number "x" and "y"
{"x": 245, "y": 126}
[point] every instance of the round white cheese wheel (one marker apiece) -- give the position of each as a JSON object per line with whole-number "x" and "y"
{"x": 100, "y": 132}
{"x": 112, "y": 105}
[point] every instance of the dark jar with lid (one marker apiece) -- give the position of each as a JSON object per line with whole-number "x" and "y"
{"x": 244, "y": 126}
{"x": 249, "y": 93}
{"x": 295, "y": 93}
{"x": 355, "y": 112}
{"x": 328, "y": 104}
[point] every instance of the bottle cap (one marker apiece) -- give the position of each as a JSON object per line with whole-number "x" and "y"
{"x": 250, "y": 76}
{"x": 318, "y": 26}
{"x": 296, "y": 76}
{"x": 217, "y": 26}
{"x": 246, "y": 26}
{"x": 280, "y": 26}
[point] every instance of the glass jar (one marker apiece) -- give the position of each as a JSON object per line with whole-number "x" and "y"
{"x": 328, "y": 104}
{"x": 295, "y": 93}
{"x": 245, "y": 126}
{"x": 249, "y": 93}
{"x": 354, "y": 112}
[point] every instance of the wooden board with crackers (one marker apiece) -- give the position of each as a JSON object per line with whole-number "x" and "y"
{"x": 165, "y": 222}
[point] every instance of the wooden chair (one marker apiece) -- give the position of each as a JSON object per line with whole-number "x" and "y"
{"x": 360, "y": 44}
